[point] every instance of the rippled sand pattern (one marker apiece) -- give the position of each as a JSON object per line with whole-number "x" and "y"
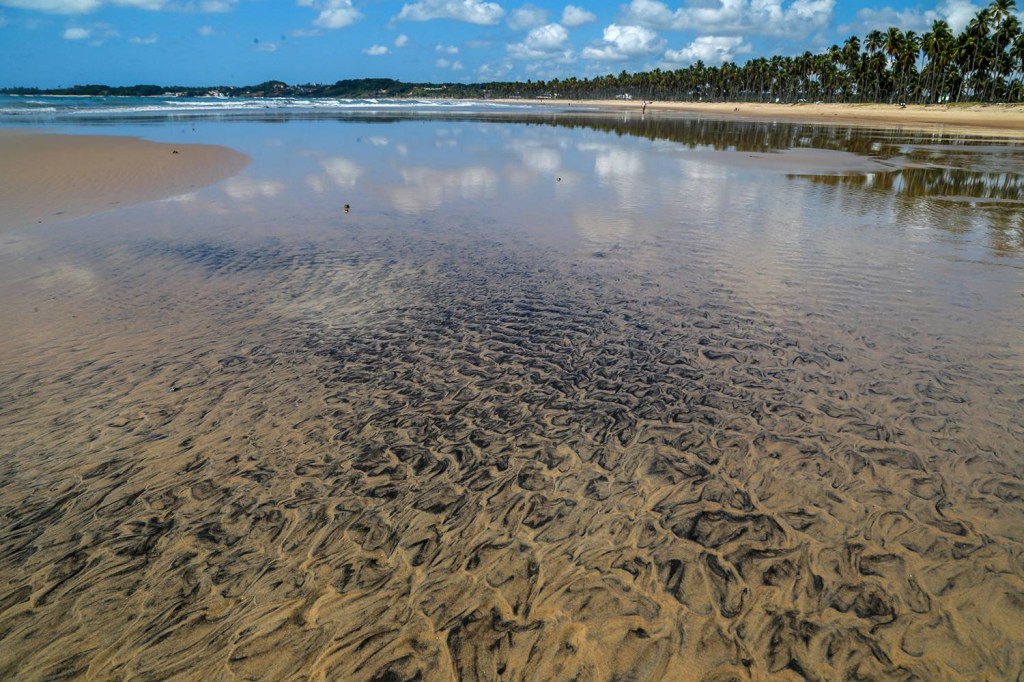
{"x": 433, "y": 459}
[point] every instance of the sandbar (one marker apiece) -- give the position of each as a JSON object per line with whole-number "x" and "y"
{"x": 1003, "y": 120}
{"x": 49, "y": 177}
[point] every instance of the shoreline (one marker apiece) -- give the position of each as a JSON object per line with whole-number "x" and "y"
{"x": 1003, "y": 120}
{"x": 50, "y": 177}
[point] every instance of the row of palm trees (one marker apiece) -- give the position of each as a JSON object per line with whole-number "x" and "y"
{"x": 984, "y": 63}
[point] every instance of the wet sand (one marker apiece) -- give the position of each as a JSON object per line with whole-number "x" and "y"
{"x": 417, "y": 441}
{"x": 995, "y": 119}
{"x": 45, "y": 178}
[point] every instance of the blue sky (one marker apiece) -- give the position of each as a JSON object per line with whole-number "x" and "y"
{"x": 52, "y": 43}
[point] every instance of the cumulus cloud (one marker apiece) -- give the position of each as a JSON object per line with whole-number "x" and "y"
{"x": 265, "y": 47}
{"x": 333, "y": 13}
{"x": 446, "y": 49}
{"x": 469, "y": 11}
{"x": 957, "y": 13}
{"x": 767, "y": 17}
{"x": 216, "y": 6}
{"x": 206, "y": 31}
{"x": 144, "y": 40}
{"x": 96, "y": 34}
{"x": 402, "y": 40}
{"x": 495, "y": 72}
{"x": 573, "y": 16}
{"x": 526, "y": 17}
{"x": 710, "y": 50}
{"x": 542, "y": 42}
{"x": 76, "y": 34}
{"x": 376, "y": 50}
{"x": 443, "y": 63}
{"x": 625, "y": 42}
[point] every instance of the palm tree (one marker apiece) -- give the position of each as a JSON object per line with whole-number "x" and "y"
{"x": 874, "y": 42}
{"x": 938, "y": 46}
{"x": 1007, "y": 27}
{"x": 851, "y": 60}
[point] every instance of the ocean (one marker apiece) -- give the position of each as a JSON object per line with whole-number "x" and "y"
{"x": 37, "y": 109}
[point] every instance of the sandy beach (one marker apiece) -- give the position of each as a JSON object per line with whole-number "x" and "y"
{"x": 1005, "y": 120}
{"x": 565, "y": 397}
{"x": 50, "y": 177}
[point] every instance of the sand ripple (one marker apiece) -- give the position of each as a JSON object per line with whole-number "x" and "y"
{"x": 414, "y": 459}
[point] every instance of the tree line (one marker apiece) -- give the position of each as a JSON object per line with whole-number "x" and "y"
{"x": 983, "y": 63}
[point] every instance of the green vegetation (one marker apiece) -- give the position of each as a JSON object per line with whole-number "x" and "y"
{"x": 985, "y": 63}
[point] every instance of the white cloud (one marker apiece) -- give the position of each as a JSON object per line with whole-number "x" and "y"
{"x": 266, "y": 47}
{"x": 443, "y": 63}
{"x": 470, "y": 11}
{"x": 542, "y": 42}
{"x": 217, "y": 6}
{"x": 144, "y": 40}
{"x": 709, "y": 49}
{"x": 96, "y": 34}
{"x": 573, "y": 16}
{"x": 625, "y": 42}
{"x": 402, "y": 40}
{"x": 206, "y": 31}
{"x": 767, "y": 17}
{"x": 494, "y": 72}
{"x": 333, "y": 13}
{"x": 526, "y": 17}
{"x": 957, "y": 13}
{"x": 446, "y": 49}
{"x": 376, "y": 50}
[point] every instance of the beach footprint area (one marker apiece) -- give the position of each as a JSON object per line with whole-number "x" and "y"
{"x": 475, "y": 399}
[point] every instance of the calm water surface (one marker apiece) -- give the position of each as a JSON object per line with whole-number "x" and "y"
{"x": 555, "y": 396}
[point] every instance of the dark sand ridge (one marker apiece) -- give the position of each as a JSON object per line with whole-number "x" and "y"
{"x": 45, "y": 178}
{"x": 411, "y": 456}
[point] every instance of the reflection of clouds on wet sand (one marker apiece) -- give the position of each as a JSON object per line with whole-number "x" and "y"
{"x": 621, "y": 168}
{"x": 425, "y": 189}
{"x": 342, "y": 172}
{"x": 244, "y": 188}
{"x": 539, "y": 154}
{"x": 339, "y": 171}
